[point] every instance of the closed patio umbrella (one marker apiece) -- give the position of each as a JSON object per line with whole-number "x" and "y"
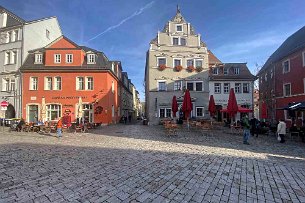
{"x": 80, "y": 108}
{"x": 212, "y": 106}
{"x": 232, "y": 104}
{"x": 264, "y": 110}
{"x": 174, "y": 106}
{"x": 187, "y": 106}
{"x": 43, "y": 113}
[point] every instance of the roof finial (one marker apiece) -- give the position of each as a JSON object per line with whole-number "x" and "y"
{"x": 178, "y": 9}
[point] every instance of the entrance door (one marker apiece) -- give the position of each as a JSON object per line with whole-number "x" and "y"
{"x": 33, "y": 113}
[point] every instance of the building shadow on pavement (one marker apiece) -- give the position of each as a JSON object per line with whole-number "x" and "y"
{"x": 58, "y": 172}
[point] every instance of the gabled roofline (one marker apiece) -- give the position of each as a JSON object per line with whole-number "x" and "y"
{"x": 63, "y": 37}
{"x": 21, "y": 20}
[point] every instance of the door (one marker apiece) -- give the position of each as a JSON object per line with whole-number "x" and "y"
{"x": 33, "y": 113}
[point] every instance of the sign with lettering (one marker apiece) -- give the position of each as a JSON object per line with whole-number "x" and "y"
{"x": 69, "y": 97}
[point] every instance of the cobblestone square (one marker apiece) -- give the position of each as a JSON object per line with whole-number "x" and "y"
{"x": 136, "y": 163}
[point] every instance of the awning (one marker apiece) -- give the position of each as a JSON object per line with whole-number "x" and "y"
{"x": 240, "y": 109}
{"x": 295, "y": 106}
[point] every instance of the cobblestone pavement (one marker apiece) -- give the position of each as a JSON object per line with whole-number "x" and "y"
{"x": 136, "y": 163}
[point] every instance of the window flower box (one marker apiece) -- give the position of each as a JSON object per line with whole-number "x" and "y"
{"x": 199, "y": 69}
{"x": 178, "y": 68}
{"x": 190, "y": 68}
{"x": 162, "y": 67}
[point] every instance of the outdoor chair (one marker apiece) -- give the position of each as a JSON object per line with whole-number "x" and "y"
{"x": 170, "y": 128}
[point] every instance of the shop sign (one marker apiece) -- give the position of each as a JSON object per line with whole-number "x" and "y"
{"x": 3, "y": 108}
{"x": 67, "y": 106}
{"x": 69, "y": 97}
{"x": 33, "y": 98}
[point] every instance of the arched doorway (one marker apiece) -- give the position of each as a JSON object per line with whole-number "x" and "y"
{"x": 10, "y": 112}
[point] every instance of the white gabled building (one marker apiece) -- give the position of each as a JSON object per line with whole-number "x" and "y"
{"x": 225, "y": 76}
{"x": 17, "y": 37}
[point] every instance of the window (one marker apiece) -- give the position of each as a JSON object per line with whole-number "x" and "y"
{"x": 38, "y": 58}
{"x": 177, "y": 62}
{"x": 225, "y": 71}
{"x": 199, "y": 111}
{"x": 189, "y": 62}
{"x": 287, "y": 89}
{"x": 179, "y": 28}
{"x": 178, "y": 85}
{"x": 175, "y": 41}
{"x": 14, "y": 57}
{"x": 90, "y": 83}
{"x": 271, "y": 73}
{"x": 303, "y": 57}
{"x": 80, "y": 83}
{"x": 182, "y": 41}
{"x": 215, "y": 71}
{"x": 5, "y": 84}
{"x": 236, "y": 71}
{"x": 48, "y": 83}
{"x": 217, "y": 88}
{"x": 226, "y": 88}
{"x": 57, "y": 85}
{"x": 165, "y": 112}
{"x": 286, "y": 66}
{"x": 48, "y": 34}
{"x": 194, "y": 86}
{"x": 33, "y": 83}
{"x": 246, "y": 88}
{"x": 190, "y": 86}
{"x": 237, "y": 87}
{"x": 14, "y": 35}
{"x": 8, "y": 37}
{"x": 112, "y": 111}
{"x": 161, "y": 61}
{"x": 198, "y": 63}
{"x": 13, "y": 85}
{"x": 57, "y": 58}
{"x": 69, "y": 58}
{"x": 7, "y": 57}
{"x": 53, "y": 111}
{"x": 161, "y": 86}
{"x": 91, "y": 58}
{"x": 266, "y": 76}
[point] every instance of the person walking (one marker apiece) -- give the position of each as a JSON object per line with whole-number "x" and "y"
{"x": 59, "y": 128}
{"x": 246, "y": 127}
{"x": 281, "y": 130}
{"x": 254, "y": 125}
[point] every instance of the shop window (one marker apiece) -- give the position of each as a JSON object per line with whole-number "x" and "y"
{"x": 53, "y": 111}
{"x": 199, "y": 111}
{"x": 165, "y": 112}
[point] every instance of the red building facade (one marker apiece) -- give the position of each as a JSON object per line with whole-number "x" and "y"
{"x": 64, "y": 78}
{"x": 282, "y": 78}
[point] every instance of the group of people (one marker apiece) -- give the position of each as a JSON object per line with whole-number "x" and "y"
{"x": 252, "y": 127}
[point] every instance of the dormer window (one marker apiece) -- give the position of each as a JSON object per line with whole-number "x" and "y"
{"x": 57, "y": 58}
{"x": 38, "y": 58}
{"x": 215, "y": 71}
{"x": 236, "y": 71}
{"x": 91, "y": 58}
{"x": 179, "y": 28}
{"x": 225, "y": 71}
{"x": 69, "y": 58}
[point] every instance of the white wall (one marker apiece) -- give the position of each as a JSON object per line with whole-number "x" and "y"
{"x": 35, "y": 34}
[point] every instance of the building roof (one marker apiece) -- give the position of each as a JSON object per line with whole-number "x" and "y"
{"x": 213, "y": 59}
{"x": 293, "y": 43}
{"x": 244, "y": 73}
{"x": 102, "y": 61}
{"x": 12, "y": 19}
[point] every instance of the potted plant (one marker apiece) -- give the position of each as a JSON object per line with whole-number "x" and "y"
{"x": 190, "y": 68}
{"x": 162, "y": 67}
{"x": 178, "y": 68}
{"x": 199, "y": 68}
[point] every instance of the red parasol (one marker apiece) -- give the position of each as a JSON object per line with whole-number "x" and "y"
{"x": 174, "y": 106}
{"x": 212, "y": 107}
{"x": 264, "y": 110}
{"x": 232, "y": 104}
{"x": 187, "y": 106}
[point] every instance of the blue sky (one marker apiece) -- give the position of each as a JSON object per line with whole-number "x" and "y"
{"x": 236, "y": 31}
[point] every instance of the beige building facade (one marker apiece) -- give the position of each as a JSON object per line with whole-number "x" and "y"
{"x": 177, "y": 59}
